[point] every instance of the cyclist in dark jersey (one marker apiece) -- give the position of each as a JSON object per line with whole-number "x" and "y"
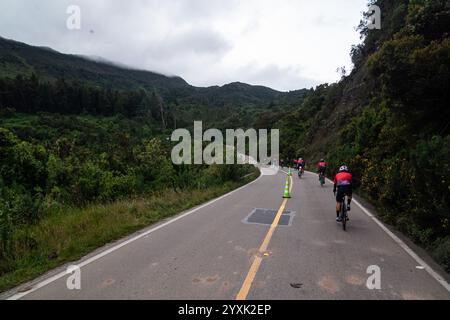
{"x": 343, "y": 187}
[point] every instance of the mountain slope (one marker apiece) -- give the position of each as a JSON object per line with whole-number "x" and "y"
{"x": 18, "y": 58}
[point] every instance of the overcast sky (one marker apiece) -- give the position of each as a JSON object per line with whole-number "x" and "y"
{"x": 283, "y": 44}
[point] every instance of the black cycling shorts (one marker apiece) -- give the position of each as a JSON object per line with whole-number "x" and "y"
{"x": 322, "y": 170}
{"x": 343, "y": 191}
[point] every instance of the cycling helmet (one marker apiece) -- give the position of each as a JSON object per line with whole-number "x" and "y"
{"x": 322, "y": 160}
{"x": 343, "y": 169}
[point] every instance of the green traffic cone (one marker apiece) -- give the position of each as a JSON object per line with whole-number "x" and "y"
{"x": 287, "y": 194}
{"x": 290, "y": 172}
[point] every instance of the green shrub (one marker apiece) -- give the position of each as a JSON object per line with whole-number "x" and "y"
{"x": 441, "y": 251}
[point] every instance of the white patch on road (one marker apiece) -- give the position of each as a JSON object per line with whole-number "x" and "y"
{"x": 420, "y": 267}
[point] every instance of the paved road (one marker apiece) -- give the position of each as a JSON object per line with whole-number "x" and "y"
{"x": 208, "y": 254}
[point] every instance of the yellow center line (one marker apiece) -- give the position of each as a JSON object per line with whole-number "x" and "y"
{"x": 245, "y": 289}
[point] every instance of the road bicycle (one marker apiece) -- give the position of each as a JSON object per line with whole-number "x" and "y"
{"x": 322, "y": 179}
{"x": 344, "y": 213}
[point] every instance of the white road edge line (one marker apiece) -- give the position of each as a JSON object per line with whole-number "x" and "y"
{"x": 60, "y": 275}
{"x": 403, "y": 245}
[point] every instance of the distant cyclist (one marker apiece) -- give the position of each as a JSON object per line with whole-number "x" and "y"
{"x": 343, "y": 186}
{"x": 301, "y": 164}
{"x": 322, "y": 168}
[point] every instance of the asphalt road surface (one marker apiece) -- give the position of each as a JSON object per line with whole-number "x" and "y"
{"x": 213, "y": 253}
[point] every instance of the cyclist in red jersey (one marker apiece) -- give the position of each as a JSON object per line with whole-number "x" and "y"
{"x": 322, "y": 167}
{"x": 301, "y": 164}
{"x": 343, "y": 186}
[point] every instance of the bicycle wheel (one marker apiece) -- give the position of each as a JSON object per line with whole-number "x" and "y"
{"x": 344, "y": 215}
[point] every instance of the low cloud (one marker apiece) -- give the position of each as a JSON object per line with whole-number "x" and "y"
{"x": 284, "y": 45}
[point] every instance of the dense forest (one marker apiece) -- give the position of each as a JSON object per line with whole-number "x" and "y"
{"x": 31, "y": 95}
{"x": 389, "y": 121}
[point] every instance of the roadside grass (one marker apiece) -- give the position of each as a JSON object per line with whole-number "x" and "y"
{"x": 67, "y": 234}
{"x": 18, "y": 121}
